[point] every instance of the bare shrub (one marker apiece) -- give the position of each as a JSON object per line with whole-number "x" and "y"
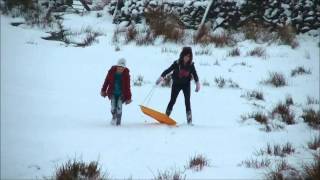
{"x": 311, "y": 100}
{"x": 60, "y": 34}
{"x": 203, "y": 36}
{"x": 288, "y": 149}
{"x": 173, "y": 174}
{"x": 255, "y": 163}
{"x": 299, "y": 71}
{"x": 312, "y": 170}
{"x": 198, "y": 162}
{"x": 145, "y": 39}
{"x": 138, "y": 81}
{"x": 276, "y": 79}
{"x": 221, "y": 82}
{"x": 284, "y": 112}
{"x": 234, "y": 52}
{"x": 165, "y": 24}
{"x": 252, "y": 30}
{"x": 233, "y": 84}
{"x": 77, "y": 169}
{"x": 311, "y": 117}
{"x": 257, "y": 116}
{"x": 279, "y": 150}
{"x": 31, "y": 11}
{"x": 131, "y": 33}
{"x": 258, "y": 51}
{"x": 289, "y": 100}
{"x": 223, "y": 40}
{"x": 168, "y": 50}
{"x": 314, "y": 143}
{"x": 204, "y": 51}
{"x": 257, "y": 95}
{"x": 283, "y": 171}
{"x": 90, "y": 38}
{"x": 205, "y": 83}
{"x": 261, "y": 118}
{"x": 287, "y": 35}
{"x": 257, "y": 32}
{"x": 115, "y": 36}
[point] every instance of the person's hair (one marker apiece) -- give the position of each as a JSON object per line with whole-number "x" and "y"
{"x": 185, "y": 51}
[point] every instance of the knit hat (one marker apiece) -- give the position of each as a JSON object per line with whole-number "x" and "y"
{"x": 122, "y": 62}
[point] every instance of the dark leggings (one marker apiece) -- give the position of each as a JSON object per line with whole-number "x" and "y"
{"x": 175, "y": 92}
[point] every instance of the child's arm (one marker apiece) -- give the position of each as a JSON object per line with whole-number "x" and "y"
{"x": 194, "y": 73}
{"x": 127, "y": 82}
{"x": 196, "y": 78}
{"x": 105, "y": 85}
{"x": 167, "y": 71}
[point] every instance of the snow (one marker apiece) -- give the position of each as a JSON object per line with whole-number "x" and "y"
{"x": 51, "y": 109}
{"x": 219, "y": 20}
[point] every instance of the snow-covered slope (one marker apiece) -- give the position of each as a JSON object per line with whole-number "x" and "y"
{"x": 51, "y": 109}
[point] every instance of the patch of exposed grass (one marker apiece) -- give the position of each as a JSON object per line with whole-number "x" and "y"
{"x": 311, "y": 117}
{"x": 314, "y": 144}
{"x": 286, "y": 115}
{"x": 234, "y": 52}
{"x": 258, "y": 51}
{"x": 198, "y": 162}
{"x": 255, "y": 163}
{"x": 276, "y": 79}
{"x": 77, "y": 169}
{"x": 300, "y": 71}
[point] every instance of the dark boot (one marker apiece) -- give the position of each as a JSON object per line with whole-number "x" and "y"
{"x": 168, "y": 112}
{"x": 189, "y": 117}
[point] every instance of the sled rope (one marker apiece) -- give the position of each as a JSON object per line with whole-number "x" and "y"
{"x": 149, "y": 96}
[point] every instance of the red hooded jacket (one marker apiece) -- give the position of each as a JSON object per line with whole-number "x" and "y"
{"x": 108, "y": 85}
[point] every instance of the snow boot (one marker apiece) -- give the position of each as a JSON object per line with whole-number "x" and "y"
{"x": 189, "y": 117}
{"x": 114, "y": 119}
{"x": 118, "y": 119}
{"x": 168, "y": 112}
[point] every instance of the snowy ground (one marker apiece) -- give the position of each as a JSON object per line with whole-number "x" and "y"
{"x": 51, "y": 109}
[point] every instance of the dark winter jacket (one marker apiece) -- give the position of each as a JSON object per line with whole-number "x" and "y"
{"x": 109, "y": 83}
{"x": 182, "y": 74}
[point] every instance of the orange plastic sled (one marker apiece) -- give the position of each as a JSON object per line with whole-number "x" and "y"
{"x": 162, "y": 118}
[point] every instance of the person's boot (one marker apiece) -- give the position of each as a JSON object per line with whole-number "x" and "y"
{"x": 114, "y": 119}
{"x": 189, "y": 117}
{"x": 118, "y": 119}
{"x": 168, "y": 112}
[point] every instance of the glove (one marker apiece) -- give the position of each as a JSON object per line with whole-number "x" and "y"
{"x": 159, "y": 80}
{"x": 197, "y": 87}
{"x": 103, "y": 93}
{"x": 128, "y": 101}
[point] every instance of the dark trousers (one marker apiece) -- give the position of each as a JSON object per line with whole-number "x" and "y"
{"x": 176, "y": 88}
{"x": 116, "y": 109}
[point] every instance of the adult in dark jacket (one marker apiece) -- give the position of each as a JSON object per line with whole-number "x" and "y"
{"x": 183, "y": 71}
{"x": 117, "y": 87}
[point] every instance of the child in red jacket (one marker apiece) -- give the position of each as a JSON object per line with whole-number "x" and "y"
{"x": 117, "y": 87}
